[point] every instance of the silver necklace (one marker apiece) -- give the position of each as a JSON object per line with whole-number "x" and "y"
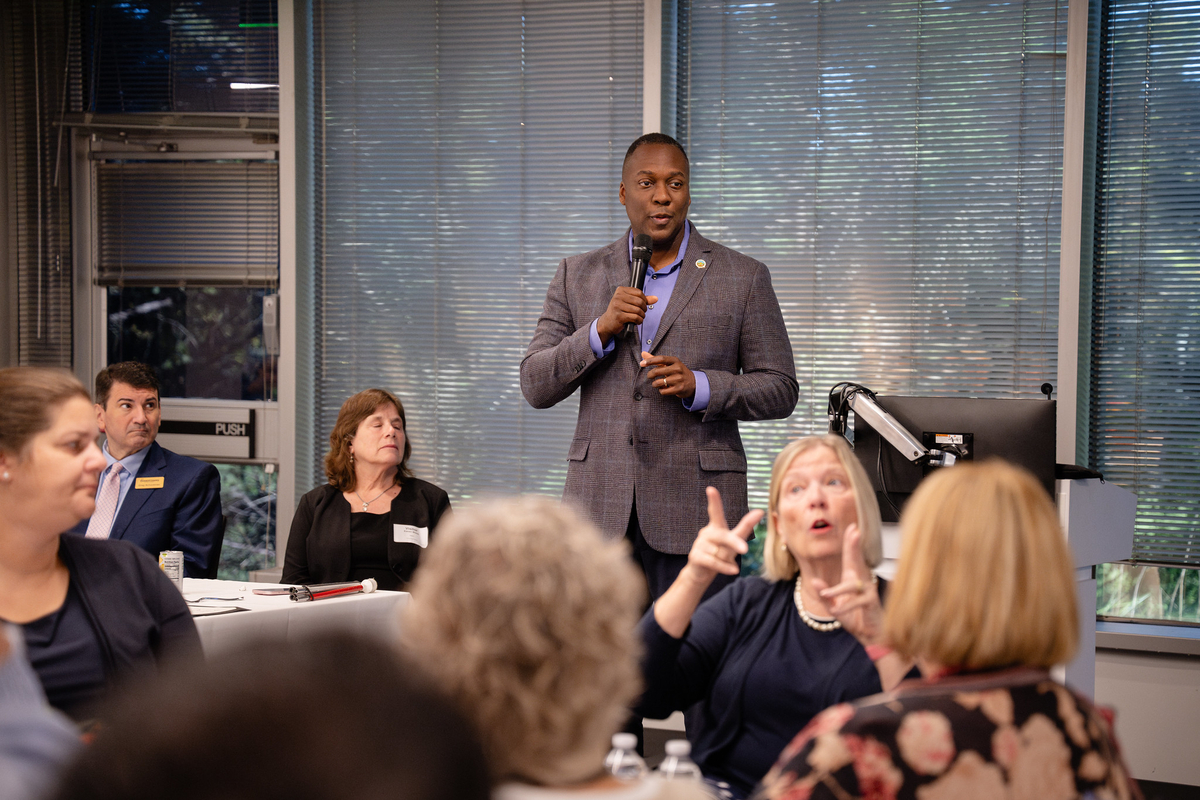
{"x": 809, "y": 619}
{"x": 373, "y": 499}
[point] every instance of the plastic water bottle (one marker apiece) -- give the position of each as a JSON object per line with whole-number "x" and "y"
{"x": 623, "y": 760}
{"x": 678, "y": 764}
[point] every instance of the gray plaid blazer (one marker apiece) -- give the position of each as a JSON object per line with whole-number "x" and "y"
{"x": 723, "y": 318}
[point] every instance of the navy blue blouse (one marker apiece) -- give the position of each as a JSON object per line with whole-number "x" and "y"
{"x": 758, "y": 673}
{"x": 66, "y": 655}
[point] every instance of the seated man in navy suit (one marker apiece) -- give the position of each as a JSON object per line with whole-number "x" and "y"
{"x": 152, "y": 497}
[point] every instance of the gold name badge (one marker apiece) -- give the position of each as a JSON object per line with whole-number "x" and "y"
{"x": 149, "y": 483}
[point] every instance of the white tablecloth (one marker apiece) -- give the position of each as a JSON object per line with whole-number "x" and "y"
{"x": 280, "y": 617}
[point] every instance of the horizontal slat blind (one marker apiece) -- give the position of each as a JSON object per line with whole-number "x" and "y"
{"x": 1145, "y": 414}
{"x": 172, "y": 223}
{"x": 897, "y": 165}
{"x": 32, "y": 52}
{"x": 462, "y": 149}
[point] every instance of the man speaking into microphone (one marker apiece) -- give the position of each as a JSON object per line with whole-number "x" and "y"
{"x": 665, "y": 373}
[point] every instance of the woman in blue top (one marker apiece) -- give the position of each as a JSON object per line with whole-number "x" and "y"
{"x": 765, "y": 655}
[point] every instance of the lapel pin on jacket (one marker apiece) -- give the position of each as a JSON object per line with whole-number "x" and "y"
{"x": 701, "y": 263}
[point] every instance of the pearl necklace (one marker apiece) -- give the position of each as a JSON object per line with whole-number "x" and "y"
{"x": 809, "y": 619}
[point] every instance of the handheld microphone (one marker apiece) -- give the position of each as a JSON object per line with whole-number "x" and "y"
{"x": 643, "y": 247}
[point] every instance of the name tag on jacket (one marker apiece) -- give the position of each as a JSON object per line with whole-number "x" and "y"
{"x": 149, "y": 483}
{"x": 411, "y": 534}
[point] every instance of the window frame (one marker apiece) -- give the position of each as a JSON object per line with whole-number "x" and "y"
{"x": 91, "y": 309}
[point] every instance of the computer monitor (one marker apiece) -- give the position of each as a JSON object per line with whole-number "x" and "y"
{"x": 1019, "y": 431}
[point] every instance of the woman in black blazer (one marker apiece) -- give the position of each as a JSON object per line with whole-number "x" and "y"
{"x": 373, "y": 519}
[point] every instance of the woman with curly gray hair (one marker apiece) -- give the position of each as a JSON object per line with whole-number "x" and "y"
{"x": 536, "y": 646}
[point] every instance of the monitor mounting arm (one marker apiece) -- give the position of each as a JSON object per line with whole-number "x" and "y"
{"x": 846, "y": 397}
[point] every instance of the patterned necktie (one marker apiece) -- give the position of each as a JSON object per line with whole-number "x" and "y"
{"x": 106, "y": 505}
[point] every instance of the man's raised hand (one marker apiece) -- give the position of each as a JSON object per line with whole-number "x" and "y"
{"x": 627, "y": 305}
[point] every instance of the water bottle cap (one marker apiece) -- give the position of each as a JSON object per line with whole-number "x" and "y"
{"x": 624, "y": 741}
{"x": 678, "y": 747}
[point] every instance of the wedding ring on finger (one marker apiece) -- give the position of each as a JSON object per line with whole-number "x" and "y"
{"x": 860, "y": 587}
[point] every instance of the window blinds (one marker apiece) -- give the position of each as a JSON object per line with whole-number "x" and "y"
{"x": 1145, "y": 414}
{"x": 174, "y": 223}
{"x": 897, "y": 165}
{"x": 33, "y": 51}
{"x": 461, "y": 149}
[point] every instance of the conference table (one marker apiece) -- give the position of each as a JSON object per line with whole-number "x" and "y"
{"x": 228, "y": 614}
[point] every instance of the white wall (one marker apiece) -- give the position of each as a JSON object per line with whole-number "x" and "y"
{"x": 1157, "y": 701}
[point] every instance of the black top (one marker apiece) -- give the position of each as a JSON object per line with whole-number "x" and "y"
{"x": 65, "y": 653}
{"x": 369, "y": 535}
{"x": 320, "y": 546}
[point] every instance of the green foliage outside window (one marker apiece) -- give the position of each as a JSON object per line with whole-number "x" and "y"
{"x": 204, "y": 341}
{"x": 1148, "y": 593}
{"x": 248, "y": 502}
{"x": 752, "y": 561}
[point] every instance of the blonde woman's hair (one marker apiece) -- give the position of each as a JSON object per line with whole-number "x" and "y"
{"x": 985, "y": 577}
{"x": 526, "y": 615}
{"x": 778, "y": 563}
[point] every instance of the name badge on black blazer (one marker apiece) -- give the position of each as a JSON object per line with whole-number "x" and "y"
{"x": 149, "y": 483}
{"x": 411, "y": 534}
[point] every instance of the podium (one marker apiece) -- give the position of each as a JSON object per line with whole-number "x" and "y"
{"x": 1098, "y": 520}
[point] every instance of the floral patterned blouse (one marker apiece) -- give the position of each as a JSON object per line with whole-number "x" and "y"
{"x": 1010, "y": 734}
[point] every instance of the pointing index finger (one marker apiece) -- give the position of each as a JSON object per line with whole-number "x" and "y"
{"x": 852, "y": 553}
{"x": 716, "y": 509}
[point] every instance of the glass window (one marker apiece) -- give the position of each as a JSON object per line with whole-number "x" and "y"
{"x": 462, "y": 150}
{"x": 248, "y": 502}
{"x": 1148, "y": 592}
{"x": 1144, "y": 430}
{"x": 204, "y": 341}
{"x": 197, "y": 56}
{"x": 897, "y": 166}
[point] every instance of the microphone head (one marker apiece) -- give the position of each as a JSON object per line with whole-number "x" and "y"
{"x": 643, "y": 247}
